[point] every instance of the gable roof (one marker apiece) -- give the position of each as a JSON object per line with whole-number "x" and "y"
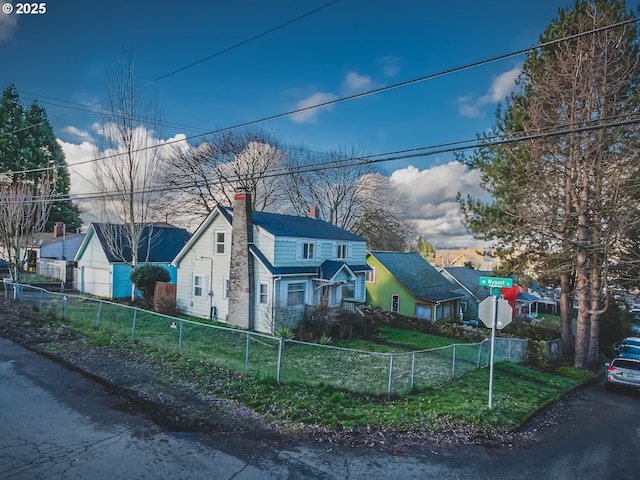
{"x": 276, "y": 224}
{"x": 470, "y": 280}
{"x": 417, "y": 275}
{"x": 158, "y": 243}
{"x": 281, "y": 225}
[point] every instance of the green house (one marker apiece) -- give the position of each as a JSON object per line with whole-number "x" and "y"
{"x": 407, "y": 284}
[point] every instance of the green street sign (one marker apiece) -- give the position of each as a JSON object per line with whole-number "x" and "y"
{"x": 495, "y": 282}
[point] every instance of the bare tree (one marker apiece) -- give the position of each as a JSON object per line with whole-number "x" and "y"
{"x": 209, "y": 174}
{"x": 350, "y": 193}
{"x": 24, "y": 209}
{"x": 127, "y": 177}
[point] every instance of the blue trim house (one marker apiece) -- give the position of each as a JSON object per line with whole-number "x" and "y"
{"x": 282, "y": 264}
{"x": 467, "y": 281}
{"x": 104, "y": 273}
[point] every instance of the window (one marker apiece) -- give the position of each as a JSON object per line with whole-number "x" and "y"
{"x": 341, "y": 254}
{"x": 295, "y": 294}
{"x": 395, "y": 303}
{"x": 423, "y": 311}
{"x": 371, "y": 275}
{"x": 308, "y": 251}
{"x": 220, "y": 242}
{"x": 263, "y": 293}
{"x": 198, "y": 286}
{"x": 225, "y": 287}
{"x": 348, "y": 290}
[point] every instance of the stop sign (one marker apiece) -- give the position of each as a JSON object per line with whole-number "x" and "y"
{"x": 485, "y": 312}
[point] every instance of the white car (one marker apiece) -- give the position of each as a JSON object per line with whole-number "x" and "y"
{"x": 623, "y": 372}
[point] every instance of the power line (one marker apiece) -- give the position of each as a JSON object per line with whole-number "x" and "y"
{"x": 197, "y": 62}
{"x": 453, "y": 147}
{"x": 354, "y": 96}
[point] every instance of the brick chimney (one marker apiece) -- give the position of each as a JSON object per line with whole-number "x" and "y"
{"x": 58, "y": 229}
{"x": 241, "y": 273}
{"x": 314, "y": 212}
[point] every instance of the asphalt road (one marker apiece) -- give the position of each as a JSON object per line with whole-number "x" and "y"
{"x": 56, "y": 424}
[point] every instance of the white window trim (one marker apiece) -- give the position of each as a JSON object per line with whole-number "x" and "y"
{"x": 313, "y": 253}
{"x": 266, "y": 293}
{"x": 196, "y": 286}
{"x": 345, "y": 251}
{"x": 373, "y": 275}
{"x": 216, "y": 243}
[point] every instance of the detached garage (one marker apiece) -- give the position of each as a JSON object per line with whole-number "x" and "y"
{"x": 103, "y": 258}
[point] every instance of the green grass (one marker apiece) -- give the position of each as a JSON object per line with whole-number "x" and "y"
{"x": 400, "y": 340}
{"x": 214, "y": 359}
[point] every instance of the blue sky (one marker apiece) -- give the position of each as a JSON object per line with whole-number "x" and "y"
{"x": 64, "y": 56}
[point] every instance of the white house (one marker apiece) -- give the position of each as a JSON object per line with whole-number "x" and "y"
{"x": 258, "y": 270}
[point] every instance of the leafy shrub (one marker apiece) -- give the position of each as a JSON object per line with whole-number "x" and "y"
{"x": 145, "y": 278}
{"x": 284, "y": 332}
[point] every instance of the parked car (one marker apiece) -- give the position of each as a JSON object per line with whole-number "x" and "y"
{"x": 629, "y": 351}
{"x": 624, "y": 372}
{"x": 4, "y": 267}
{"x": 634, "y": 341}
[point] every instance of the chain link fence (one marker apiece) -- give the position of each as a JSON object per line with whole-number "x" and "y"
{"x": 266, "y": 356}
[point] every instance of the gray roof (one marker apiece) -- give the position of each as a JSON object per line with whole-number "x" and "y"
{"x": 470, "y": 279}
{"x": 417, "y": 275}
{"x": 158, "y": 244}
{"x": 292, "y": 226}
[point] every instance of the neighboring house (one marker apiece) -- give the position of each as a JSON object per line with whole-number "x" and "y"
{"x": 466, "y": 281}
{"x": 102, "y": 272}
{"x": 55, "y": 257}
{"x": 407, "y": 284}
{"x": 258, "y": 270}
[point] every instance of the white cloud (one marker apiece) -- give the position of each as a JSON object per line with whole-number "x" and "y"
{"x": 81, "y": 157}
{"x": 354, "y": 83}
{"x": 77, "y": 134}
{"x": 390, "y": 65}
{"x": 8, "y": 25}
{"x": 310, "y": 115}
{"x": 432, "y": 200}
{"x": 500, "y": 88}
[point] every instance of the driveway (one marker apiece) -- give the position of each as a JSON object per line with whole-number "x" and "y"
{"x": 55, "y": 424}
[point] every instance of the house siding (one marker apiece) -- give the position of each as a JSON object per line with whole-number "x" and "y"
{"x": 380, "y": 293}
{"x": 279, "y": 251}
{"x": 94, "y": 271}
{"x": 212, "y": 267}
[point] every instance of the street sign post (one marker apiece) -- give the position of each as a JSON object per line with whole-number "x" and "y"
{"x": 495, "y": 313}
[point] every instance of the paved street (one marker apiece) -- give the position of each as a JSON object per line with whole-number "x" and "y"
{"x": 56, "y": 424}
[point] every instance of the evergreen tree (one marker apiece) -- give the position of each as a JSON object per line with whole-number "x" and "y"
{"x": 29, "y": 149}
{"x": 565, "y": 199}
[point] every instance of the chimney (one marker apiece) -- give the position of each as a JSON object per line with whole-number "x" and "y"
{"x": 58, "y": 229}
{"x": 314, "y": 212}
{"x": 241, "y": 274}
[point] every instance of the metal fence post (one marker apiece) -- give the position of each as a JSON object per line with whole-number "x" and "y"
{"x": 280, "y": 345}
{"x": 390, "y": 376}
{"x": 453, "y": 366}
{"x": 133, "y": 327}
{"x": 246, "y": 355}
{"x": 99, "y": 312}
{"x": 413, "y": 369}
{"x": 64, "y": 307}
{"x": 180, "y": 340}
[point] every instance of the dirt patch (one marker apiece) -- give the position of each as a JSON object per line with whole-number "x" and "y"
{"x": 175, "y": 400}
